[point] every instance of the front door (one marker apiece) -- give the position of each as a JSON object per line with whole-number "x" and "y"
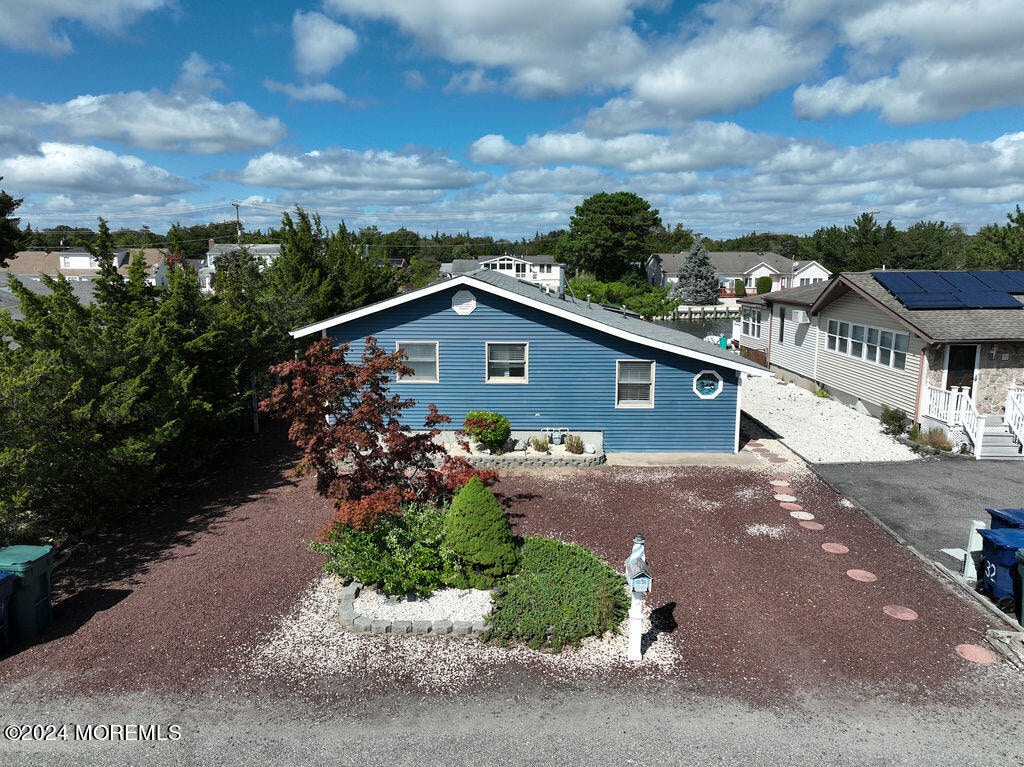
{"x": 960, "y": 367}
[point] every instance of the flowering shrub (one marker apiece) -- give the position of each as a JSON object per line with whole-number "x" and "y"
{"x": 491, "y": 430}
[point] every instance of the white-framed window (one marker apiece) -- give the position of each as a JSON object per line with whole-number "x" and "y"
{"x": 634, "y": 383}
{"x": 707, "y": 384}
{"x": 65, "y": 262}
{"x": 422, "y": 359}
{"x": 751, "y": 322}
{"x": 878, "y": 346}
{"x": 508, "y": 363}
{"x": 810, "y": 280}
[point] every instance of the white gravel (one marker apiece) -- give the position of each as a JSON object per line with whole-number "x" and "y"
{"x": 819, "y": 429}
{"x": 450, "y": 604}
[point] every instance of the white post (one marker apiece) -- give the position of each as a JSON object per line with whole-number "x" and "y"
{"x": 973, "y": 556}
{"x": 636, "y": 626}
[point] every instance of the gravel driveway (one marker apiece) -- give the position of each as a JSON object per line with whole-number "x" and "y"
{"x": 756, "y": 627}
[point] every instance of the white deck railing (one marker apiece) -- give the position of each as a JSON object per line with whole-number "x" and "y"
{"x": 1014, "y": 415}
{"x": 954, "y": 407}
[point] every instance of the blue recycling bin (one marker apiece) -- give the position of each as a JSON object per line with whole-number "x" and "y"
{"x": 6, "y": 590}
{"x": 30, "y": 606}
{"x": 1006, "y": 518}
{"x": 1001, "y": 579}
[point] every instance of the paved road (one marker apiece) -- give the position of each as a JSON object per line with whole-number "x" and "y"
{"x": 929, "y": 503}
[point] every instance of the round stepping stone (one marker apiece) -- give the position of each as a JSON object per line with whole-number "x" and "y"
{"x": 783, "y": 477}
{"x": 862, "y": 575}
{"x": 900, "y": 613}
{"x": 975, "y": 654}
{"x": 777, "y": 459}
{"x": 798, "y": 514}
{"x": 754, "y": 443}
{"x": 791, "y": 506}
{"x": 785, "y": 497}
{"x": 835, "y": 548}
{"x": 808, "y": 525}
{"x": 779, "y": 483}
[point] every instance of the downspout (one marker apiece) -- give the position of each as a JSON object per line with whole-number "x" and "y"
{"x": 739, "y": 412}
{"x": 920, "y": 380}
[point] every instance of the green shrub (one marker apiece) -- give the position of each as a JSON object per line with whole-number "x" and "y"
{"x": 936, "y": 438}
{"x": 560, "y": 595}
{"x": 540, "y": 444}
{"x": 740, "y": 289}
{"x": 398, "y": 554}
{"x": 894, "y": 420}
{"x": 574, "y": 444}
{"x": 822, "y": 392}
{"x": 763, "y": 284}
{"x": 479, "y": 538}
{"x": 491, "y": 430}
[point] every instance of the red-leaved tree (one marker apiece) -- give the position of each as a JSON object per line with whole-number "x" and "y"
{"x": 348, "y": 424}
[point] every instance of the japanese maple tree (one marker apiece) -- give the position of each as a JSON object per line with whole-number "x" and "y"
{"x": 349, "y": 425}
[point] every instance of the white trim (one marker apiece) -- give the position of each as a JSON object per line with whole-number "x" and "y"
{"x": 421, "y": 379}
{"x": 634, "y": 404}
{"x": 588, "y": 322}
{"x": 721, "y": 384}
{"x": 506, "y": 380}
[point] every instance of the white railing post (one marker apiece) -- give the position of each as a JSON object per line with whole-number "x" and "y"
{"x": 1014, "y": 415}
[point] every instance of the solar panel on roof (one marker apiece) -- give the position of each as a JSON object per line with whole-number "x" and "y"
{"x": 895, "y": 282}
{"x": 1014, "y": 281}
{"x": 930, "y": 301}
{"x": 993, "y": 280}
{"x": 965, "y": 282}
{"x": 931, "y": 282}
{"x": 988, "y": 299}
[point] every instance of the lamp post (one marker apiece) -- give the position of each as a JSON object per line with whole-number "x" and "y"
{"x": 638, "y": 580}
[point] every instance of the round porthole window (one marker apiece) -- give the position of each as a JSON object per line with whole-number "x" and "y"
{"x": 707, "y": 384}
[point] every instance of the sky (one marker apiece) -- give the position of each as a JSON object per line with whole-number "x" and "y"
{"x": 499, "y": 117}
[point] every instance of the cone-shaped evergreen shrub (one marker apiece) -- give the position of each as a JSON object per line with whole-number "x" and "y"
{"x": 479, "y": 537}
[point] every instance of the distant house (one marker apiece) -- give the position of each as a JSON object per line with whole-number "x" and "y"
{"x": 265, "y": 254}
{"x": 78, "y": 264}
{"x": 484, "y": 340}
{"x": 730, "y": 266}
{"x": 946, "y": 347}
{"x": 540, "y": 270}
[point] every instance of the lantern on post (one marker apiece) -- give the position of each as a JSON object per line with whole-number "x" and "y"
{"x": 638, "y": 579}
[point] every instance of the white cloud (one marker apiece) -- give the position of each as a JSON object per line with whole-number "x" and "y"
{"x": 588, "y": 41}
{"x": 308, "y": 92}
{"x": 34, "y": 24}
{"x": 196, "y": 76}
{"x": 152, "y": 120}
{"x": 703, "y": 146}
{"x": 369, "y": 170}
{"x": 320, "y": 43}
{"x": 74, "y": 168}
{"x": 576, "y": 179}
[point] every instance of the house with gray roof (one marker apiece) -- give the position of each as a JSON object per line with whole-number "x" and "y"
{"x": 483, "y": 340}
{"x": 945, "y": 347}
{"x": 731, "y": 266}
{"x": 540, "y": 270}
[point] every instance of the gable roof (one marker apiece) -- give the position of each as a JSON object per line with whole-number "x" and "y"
{"x": 592, "y": 316}
{"x": 804, "y": 295}
{"x": 464, "y": 265}
{"x": 735, "y": 262}
{"x": 933, "y": 325}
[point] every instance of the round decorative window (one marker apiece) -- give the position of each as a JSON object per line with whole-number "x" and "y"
{"x": 707, "y": 384}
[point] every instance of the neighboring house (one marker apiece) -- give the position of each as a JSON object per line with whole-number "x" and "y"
{"x": 794, "y": 334}
{"x": 266, "y": 254}
{"x": 730, "y": 266}
{"x": 77, "y": 264}
{"x": 486, "y": 341}
{"x": 946, "y": 347}
{"x": 539, "y": 270}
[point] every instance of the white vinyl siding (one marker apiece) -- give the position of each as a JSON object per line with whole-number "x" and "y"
{"x": 871, "y": 377}
{"x": 422, "y": 359}
{"x": 507, "y": 363}
{"x": 795, "y": 349}
{"x": 634, "y": 383}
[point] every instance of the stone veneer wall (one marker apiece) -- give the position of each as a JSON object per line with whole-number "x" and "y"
{"x": 995, "y": 374}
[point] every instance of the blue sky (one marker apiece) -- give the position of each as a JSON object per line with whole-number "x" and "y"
{"x": 499, "y": 117}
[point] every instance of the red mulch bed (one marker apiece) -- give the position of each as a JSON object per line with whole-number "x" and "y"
{"x": 166, "y": 603}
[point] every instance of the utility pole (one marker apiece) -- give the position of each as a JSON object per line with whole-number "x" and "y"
{"x": 238, "y": 224}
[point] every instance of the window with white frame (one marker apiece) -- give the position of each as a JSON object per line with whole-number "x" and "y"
{"x": 878, "y": 346}
{"x": 751, "y": 322}
{"x": 707, "y": 384}
{"x": 634, "y": 383}
{"x": 507, "y": 363}
{"x": 810, "y": 280}
{"x": 422, "y": 360}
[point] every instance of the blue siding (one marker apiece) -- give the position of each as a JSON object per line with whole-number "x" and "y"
{"x": 571, "y": 375}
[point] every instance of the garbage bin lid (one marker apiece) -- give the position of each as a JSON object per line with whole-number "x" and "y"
{"x": 1011, "y": 515}
{"x": 21, "y": 555}
{"x": 1006, "y": 537}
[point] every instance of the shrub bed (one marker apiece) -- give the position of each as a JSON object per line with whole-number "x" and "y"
{"x": 560, "y": 594}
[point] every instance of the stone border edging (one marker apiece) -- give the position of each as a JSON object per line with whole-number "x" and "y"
{"x": 512, "y": 461}
{"x": 350, "y": 619}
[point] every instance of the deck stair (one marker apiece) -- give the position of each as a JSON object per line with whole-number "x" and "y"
{"x": 999, "y": 443}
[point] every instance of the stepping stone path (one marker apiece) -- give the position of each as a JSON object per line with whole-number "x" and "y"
{"x": 788, "y": 506}
{"x": 797, "y": 514}
{"x": 862, "y": 575}
{"x": 784, "y": 497}
{"x": 808, "y": 525}
{"x": 900, "y": 613}
{"x": 835, "y": 548}
{"x": 975, "y": 654}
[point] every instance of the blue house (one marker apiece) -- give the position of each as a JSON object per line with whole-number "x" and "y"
{"x": 485, "y": 341}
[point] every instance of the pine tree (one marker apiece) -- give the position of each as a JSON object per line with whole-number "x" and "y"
{"x": 698, "y": 285}
{"x": 478, "y": 533}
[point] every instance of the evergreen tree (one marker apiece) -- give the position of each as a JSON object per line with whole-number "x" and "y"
{"x": 11, "y": 237}
{"x": 478, "y": 534}
{"x": 698, "y": 285}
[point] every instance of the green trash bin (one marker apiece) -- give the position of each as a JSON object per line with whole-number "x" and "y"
{"x": 30, "y": 610}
